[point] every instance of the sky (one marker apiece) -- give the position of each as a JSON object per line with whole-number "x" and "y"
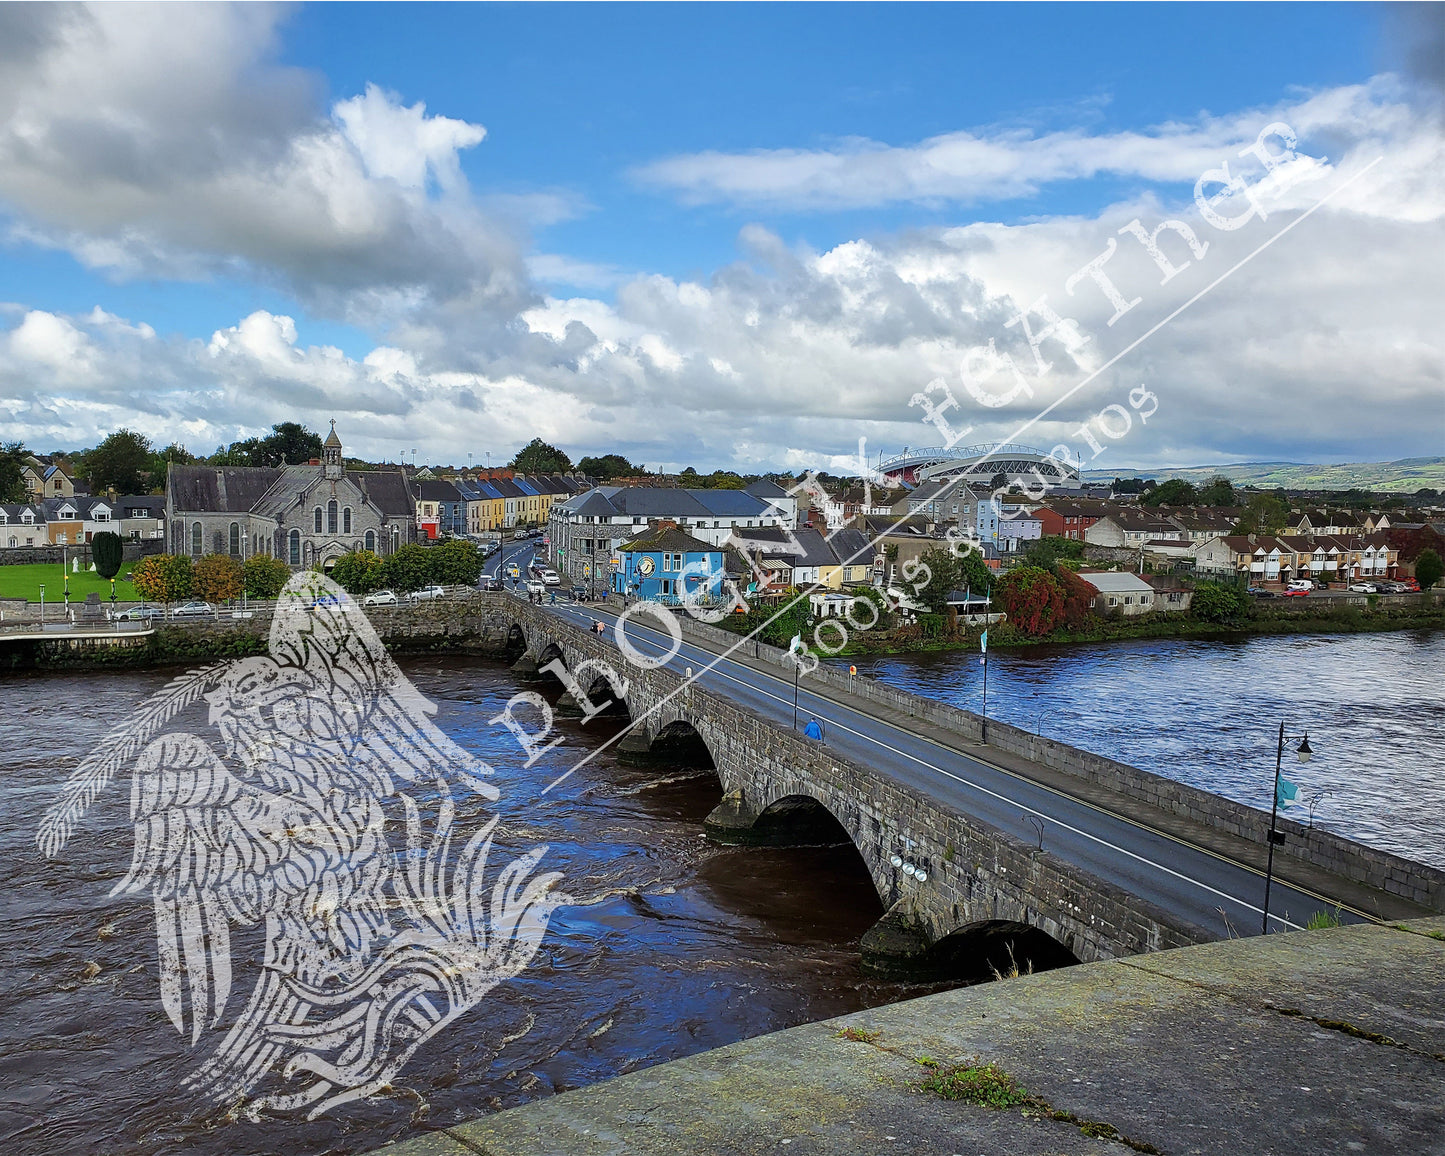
{"x": 729, "y": 236}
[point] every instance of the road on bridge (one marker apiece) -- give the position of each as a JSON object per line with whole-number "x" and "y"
{"x": 1189, "y": 882}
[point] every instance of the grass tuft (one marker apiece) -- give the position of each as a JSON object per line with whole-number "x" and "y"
{"x": 859, "y": 1035}
{"x": 986, "y": 1085}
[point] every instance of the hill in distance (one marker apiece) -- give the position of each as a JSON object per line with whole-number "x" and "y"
{"x": 1404, "y": 476}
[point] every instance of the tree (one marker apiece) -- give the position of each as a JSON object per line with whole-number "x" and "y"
{"x": 243, "y": 453}
{"x": 107, "y": 553}
{"x": 607, "y": 467}
{"x": 264, "y": 576}
{"x": 1428, "y": 568}
{"x": 1217, "y": 601}
{"x": 121, "y": 462}
{"x": 1218, "y": 491}
{"x": 998, "y": 483}
{"x": 288, "y": 444}
{"x": 1264, "y": 513}
{"x": 218, "y": 578}
{"x": 1032, "y": 598}
{"x": 537, "y": 457}
{"x": 455, "y": 563}
{"x": 1174, "y": 492}
{"x": 974, "y": 574}
{"x": 12, "y": 461}
{"x": 941, "y": 579}
{"x": 162, "y": 577}
{"x": 1078, "y": 598}
{"x": 408, "y": 568}
{"x": 360, "y": 572}
{"x": 1046, "y": 552}
{"x": 162, "y": 460}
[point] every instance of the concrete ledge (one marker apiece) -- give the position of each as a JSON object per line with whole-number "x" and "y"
{"x": 1318, "y": 1042}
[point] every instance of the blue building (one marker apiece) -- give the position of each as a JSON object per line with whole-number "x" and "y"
{"x": 666, "y": 564}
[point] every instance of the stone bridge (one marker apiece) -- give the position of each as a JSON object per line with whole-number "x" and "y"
{"x": 972, "y": 886}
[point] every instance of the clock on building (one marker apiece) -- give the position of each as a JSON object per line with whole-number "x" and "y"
{"x": 645, "y": 566}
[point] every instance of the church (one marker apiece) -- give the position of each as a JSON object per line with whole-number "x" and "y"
{"x": 306, "y": 515}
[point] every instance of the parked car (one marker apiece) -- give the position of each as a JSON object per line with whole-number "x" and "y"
{"x": 1411, "y": 585}
{"x": 1261, "y": 592}
{"x": 381, "y": 598}
{"x": 1395, "y": 588}
{"x": 1293, "y": 591}
{"x": 428, "y": 593}
{"x": 193, "y": 610}
{"x": 1363, "y": 588}
{"x": 139, "y": 613}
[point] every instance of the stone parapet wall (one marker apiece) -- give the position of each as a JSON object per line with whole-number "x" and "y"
{"x": 1334, "y": 853}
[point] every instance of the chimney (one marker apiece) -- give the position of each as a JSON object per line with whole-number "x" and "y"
{"x": 1253, "y": 540}
{"x": 314, "y": 462}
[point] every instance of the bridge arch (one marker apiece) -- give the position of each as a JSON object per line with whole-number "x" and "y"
{"x": 516, "y": 644}
{"x": 681, "y": 742}
{"x": 999, "y": 949}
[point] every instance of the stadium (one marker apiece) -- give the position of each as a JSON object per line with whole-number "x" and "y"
{"x": 979, "y": 465}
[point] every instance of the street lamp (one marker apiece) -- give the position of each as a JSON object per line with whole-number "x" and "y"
{"x": 1303, "y": 754}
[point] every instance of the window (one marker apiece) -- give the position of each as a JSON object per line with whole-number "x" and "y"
{"x": 346, "y": 520}
{"x": 331, "y": 516}
{"x": 196, "y": 540}
{"x": 370, "y": 539}
{"x": 235, "y": 539}
{"x": 296, "y": 545}
{"x": 317, "y": 519}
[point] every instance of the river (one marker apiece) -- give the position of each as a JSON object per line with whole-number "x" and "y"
{"x": 680, "y": 946}
{"x": 1207, "y": 713}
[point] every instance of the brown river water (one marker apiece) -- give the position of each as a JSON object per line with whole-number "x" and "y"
{"x": 676, "y": 946}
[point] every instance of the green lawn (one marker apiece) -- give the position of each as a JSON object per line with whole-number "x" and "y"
{"x": 24, "y": 582}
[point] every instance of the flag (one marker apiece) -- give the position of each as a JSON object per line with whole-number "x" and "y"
{"x": 983, "y": 642}
{"x": 796, "y": 646}
{"x": 1287, "y": 793}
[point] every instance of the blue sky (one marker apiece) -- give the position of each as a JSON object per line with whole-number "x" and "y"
{"x": 632, "y": 152}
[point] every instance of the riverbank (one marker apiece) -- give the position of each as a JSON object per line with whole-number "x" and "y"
{"x": 1315, "y": 1042}
{"x": 1262, "y": 620}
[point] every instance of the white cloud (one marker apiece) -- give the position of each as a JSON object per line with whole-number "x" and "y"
{"x": 970, "y": 167}
{"x": 165, "y": 141}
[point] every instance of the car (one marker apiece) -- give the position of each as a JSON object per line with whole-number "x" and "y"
{"x": 139, "y": 613}
{"x": 551, "y": 577}
{"x": 1362, "y": 588}
{"x": 1296, "y": 592}
{"x": 493, "y": 584}
{"x": 381, "y": 598}
{"x": 1261, "y": 592}
{"x": 579, "y": 593}
{"x": 428, "y": 593}
{"x": 513, "y": 570}
{"x": 536, "y": 586}
{"x": 1395, "y": 588}
{"x": 326, "y": 599}
{"x": 193, "y": 610}
{"x": 1411, "y": 585}
{"x": 518, "y": 535}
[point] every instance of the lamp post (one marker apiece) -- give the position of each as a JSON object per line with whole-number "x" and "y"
{"x": 1303, "y": 753}
{"x": 42, "y": 606}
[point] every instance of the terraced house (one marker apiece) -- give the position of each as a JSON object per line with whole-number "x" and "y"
{"x": 306, "y": 515}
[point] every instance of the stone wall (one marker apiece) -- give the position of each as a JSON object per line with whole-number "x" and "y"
{"x": 975, "y": 874}
{"x": 51, "y": 555}
{"x": 1334, "y": 853}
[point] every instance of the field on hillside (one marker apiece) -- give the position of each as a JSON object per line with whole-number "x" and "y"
{"x": 24, "y": 582}
{"x": 1404, "y": 476}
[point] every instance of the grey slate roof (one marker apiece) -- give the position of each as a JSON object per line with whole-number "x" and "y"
{"x": 852, "y": 547}
{"x": 219, "y": 489}
{"x": 805, "y": 547}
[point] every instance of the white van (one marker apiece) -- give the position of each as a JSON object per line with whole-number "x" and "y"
{"x": 1301, "y": 584}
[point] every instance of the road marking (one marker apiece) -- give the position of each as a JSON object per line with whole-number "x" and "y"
{"x": 986, "y": 791}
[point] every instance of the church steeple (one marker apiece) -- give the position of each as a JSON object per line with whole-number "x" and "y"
{"x": 331, "y": 452}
